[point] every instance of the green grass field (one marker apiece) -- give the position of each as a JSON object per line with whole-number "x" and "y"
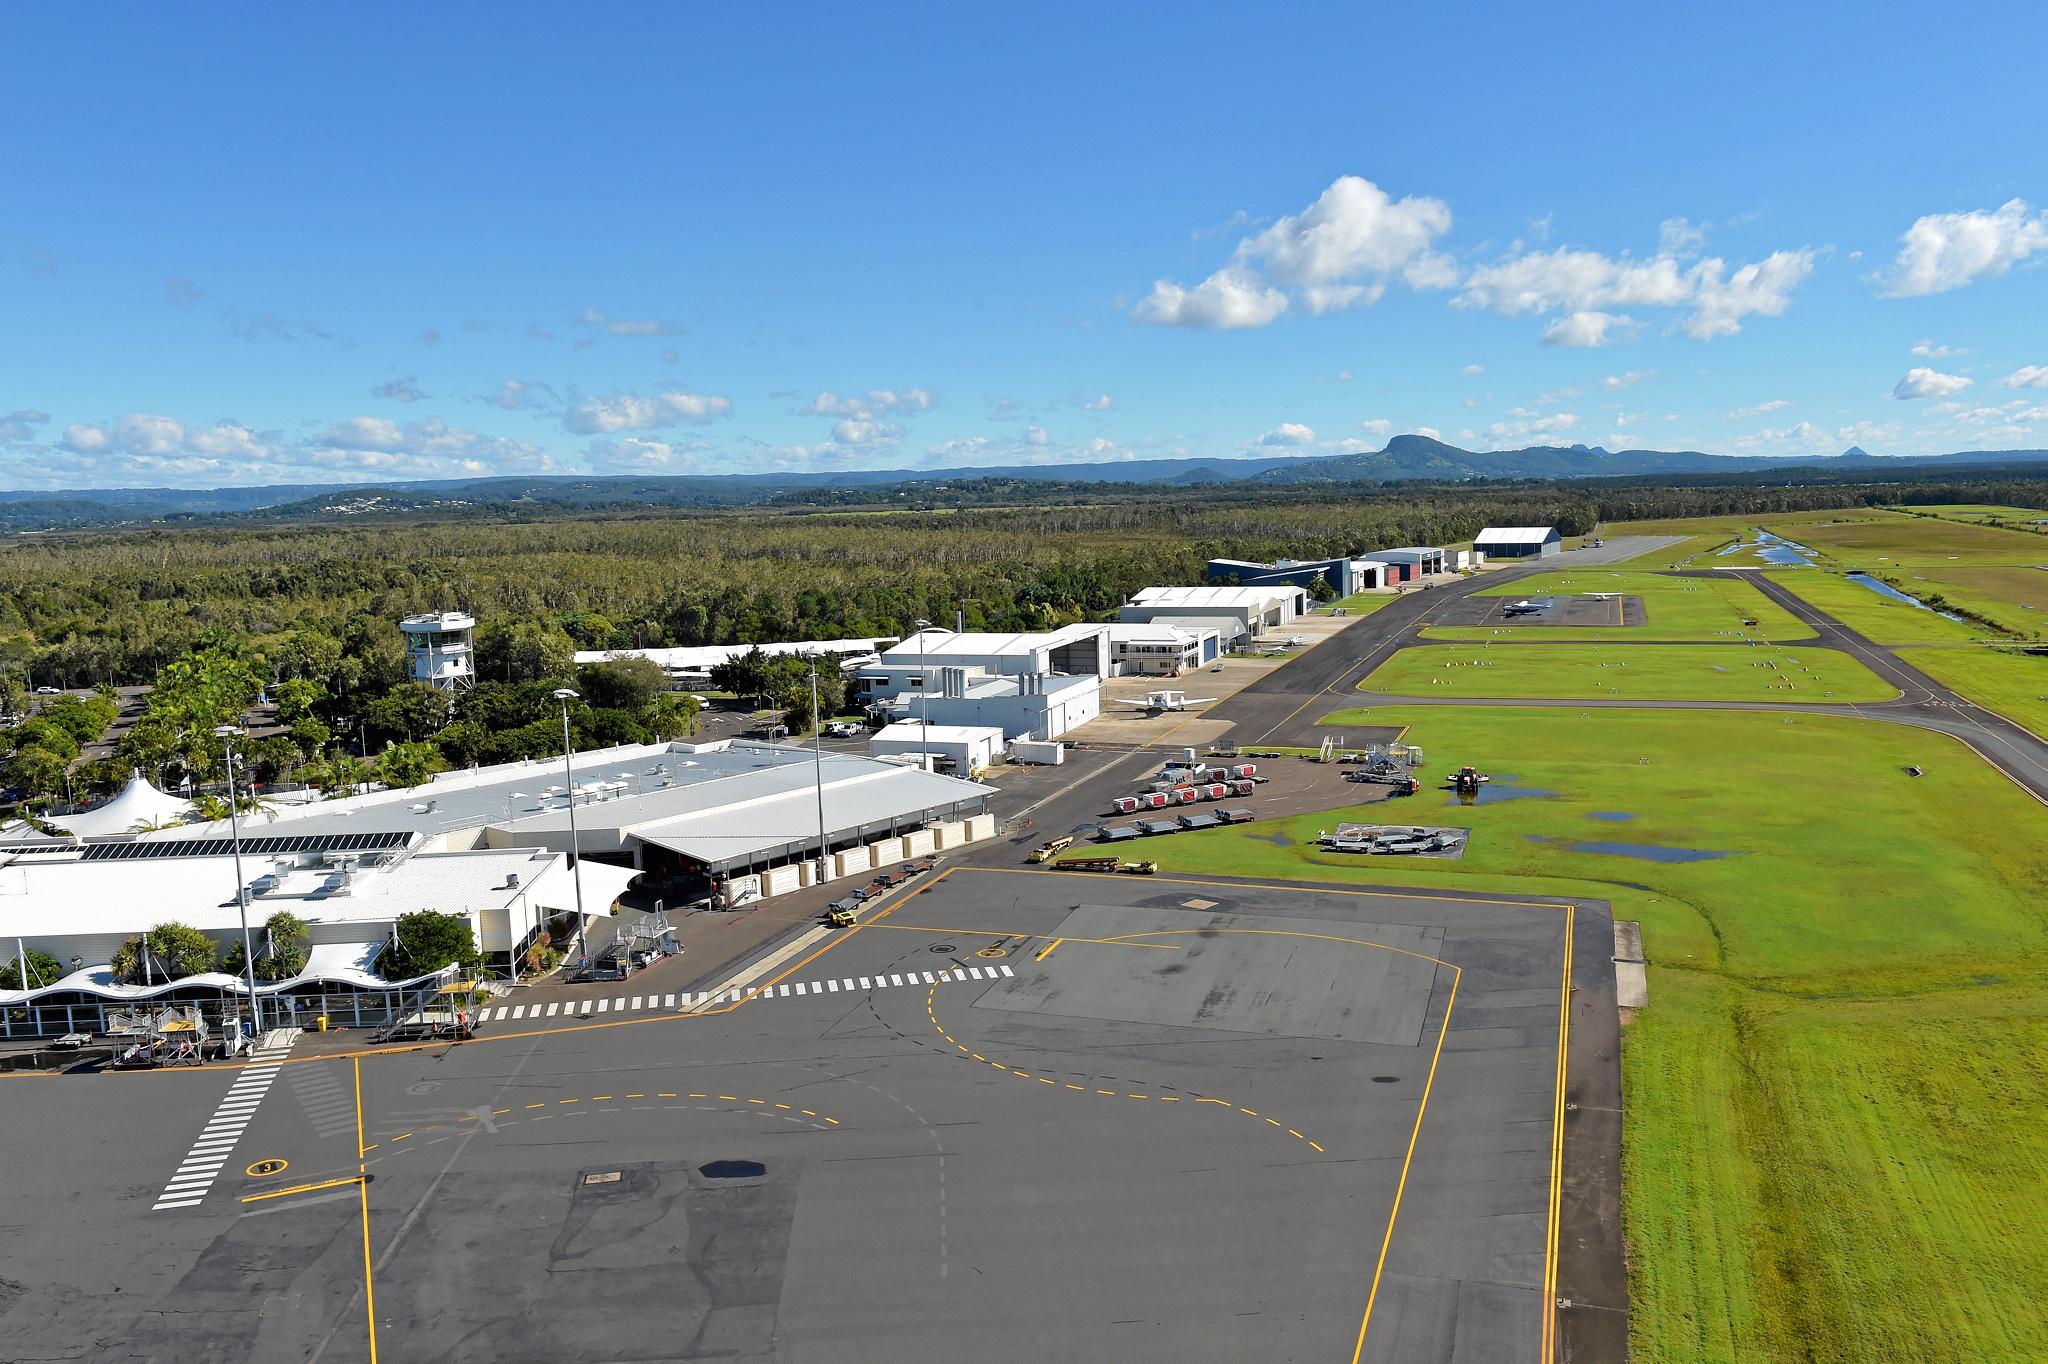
{"x": 1635, "y": 672}
{"x": 1675, "y": 610}
{"x": 1977, "y": 511}
{"x": 1833, "y": 1101}
{"x": 1877, "y": 537}
{"x": 1361, "y": 603}
{"x": 2012, "y": 683}
{"x": 1875, "y": 617}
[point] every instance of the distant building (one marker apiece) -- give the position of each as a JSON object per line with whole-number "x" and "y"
{"x": 440, "y": 649}
{"x": 1028, "y": 706}
{"x": 1410, "y": 563}
{"x": 691, "y": 666}
{"x": 1518, "y": 542}
{"x": 1344, "y": 574}
{"x": 967, "y": 749}
{"x": 1252, "y": 610}
{"x": 1160, "y": 648}
{"x": 915, "y": 665}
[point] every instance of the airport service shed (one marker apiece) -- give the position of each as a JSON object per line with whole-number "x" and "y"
{"x": 1254, "y": 610}
{"x": 1518, "y": 542}
{"x": 1410, "y": 563}
{"x": 1344, "y": 574}
{"x": 1034, "y": 706}
{"x": 967, "y": 748}
{"x": 1161, "y": 648}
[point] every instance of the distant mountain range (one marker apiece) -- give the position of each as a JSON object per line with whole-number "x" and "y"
{"x": 1404, "y": 458}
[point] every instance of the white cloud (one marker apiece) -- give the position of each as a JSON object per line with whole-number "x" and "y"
{"x": 1556, "y": 396}
{"x": 959, "y": 450}
{"x": 2026, "y": 376}
{"x": 1586, "y": 329}
{"x": 642, "y": 412}
{"x": 1227, "y": 300}
{"x": 863, "y": 433}
{"x": 517, "y": 393}
{"x": 1528, "y": 426}
{"x": 1551, "y": 281}
{"x": 876, "y": 402}
{"x": 1927, "y": 350}
{"x": 147, "y": 435}
{"x": 1377, "y": 427}
{"x": 1036, "y": 435}
{"x": 400, "y": 390}
{"x": 422, "y": 449}
{"x": 1429, "y": 431}
{"x": 1471, "y": 371}
{"x": 143, "y": 447}
{"x": 1614, "y": 383}
{"x": 1289, "y": 433}
{"x": 1100, "y": 403}
{"x": 1762, "y": 288}
{"x": 1341, "y": 251}
{"x": 1590, "y": 283}
{"x": 1745, "y": 413}
{"x": 1944, "y": 251}
{"x": 1805, "y": 435}
{"x": 1680, "y": 239}
{"x": 624, "y": 326}
{"x": 1921, "y": 382}
{"x": 19, "y": 427}
{"x": 639, "y": 455}
{"x": 181, "y": 292}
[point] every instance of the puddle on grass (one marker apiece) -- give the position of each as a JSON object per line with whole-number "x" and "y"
{"x": 1611, "y": 816}
{"x": 1496, "y": 791}
{"x": 1885, "y": 589}
{"x": 1277, "y": 839}
{"x": 1642, "y": 852}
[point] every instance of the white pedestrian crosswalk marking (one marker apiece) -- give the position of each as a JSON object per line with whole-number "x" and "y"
{"x": 622, "y": 1004}
{"x": 210, "y": 1150}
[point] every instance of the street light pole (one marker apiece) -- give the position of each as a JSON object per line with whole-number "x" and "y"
{"x": 226, "y": 734}
{"x": 924, "y": 691}
{"x": 818, "y": 778}
{"x": 565, "y": 695}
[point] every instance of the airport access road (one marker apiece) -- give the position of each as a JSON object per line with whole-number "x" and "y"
{"x": 1022, "y": 1116}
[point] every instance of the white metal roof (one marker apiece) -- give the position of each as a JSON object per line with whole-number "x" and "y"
{"x": 1213, "y": 596}
{"x": 910, "y": 731}
{"x": 703, "y": 658}
{"x": 58, "y": 897}
{"x": 1514, "y": 535}
{"x": 785, "y": 822}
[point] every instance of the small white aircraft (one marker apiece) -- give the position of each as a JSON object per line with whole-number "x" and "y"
{"x": 1156, "y": 702}
{"x": 1601, "y": 596}
{"x": 1524, "y": 607}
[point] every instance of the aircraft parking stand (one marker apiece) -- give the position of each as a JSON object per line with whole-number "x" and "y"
{"x": 1012, "y": 1116}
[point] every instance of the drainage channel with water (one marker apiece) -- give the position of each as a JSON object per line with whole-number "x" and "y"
{"x": 1773, "y": 549}
{"x": 1885, "y": 589}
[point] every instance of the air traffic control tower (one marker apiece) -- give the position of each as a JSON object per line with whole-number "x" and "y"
{"x": 439, "y": 649}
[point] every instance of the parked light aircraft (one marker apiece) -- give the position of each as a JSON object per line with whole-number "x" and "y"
{"x": 1156, "y": 702}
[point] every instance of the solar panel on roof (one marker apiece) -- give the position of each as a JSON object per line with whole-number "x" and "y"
{"x": 266, "y": 846}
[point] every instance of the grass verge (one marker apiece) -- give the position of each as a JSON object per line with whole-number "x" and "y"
{"x": 1634, "y": 672}
{"x": 1830, "y": 1146}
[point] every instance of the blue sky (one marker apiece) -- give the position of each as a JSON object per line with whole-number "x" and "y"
{"x": 372, "y": 243}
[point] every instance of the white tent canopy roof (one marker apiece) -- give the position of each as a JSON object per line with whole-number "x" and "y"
{"x": 138, "y": 804}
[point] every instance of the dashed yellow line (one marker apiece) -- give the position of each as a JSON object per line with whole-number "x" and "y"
{"x": 931, "y": 1009}
{"x": 595, "y": 1098}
